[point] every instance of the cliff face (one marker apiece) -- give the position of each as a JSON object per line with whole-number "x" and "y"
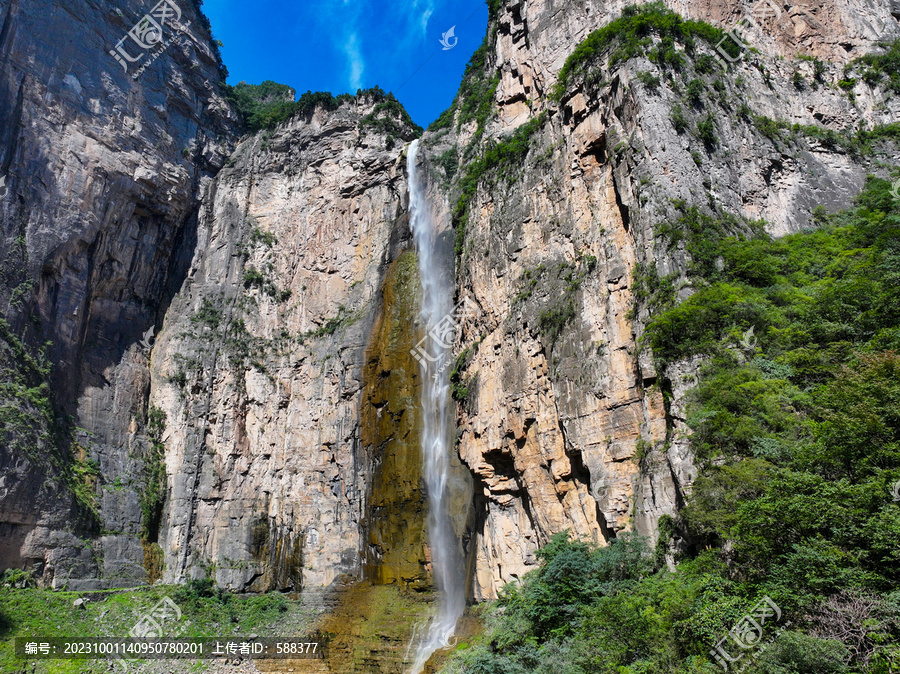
{"x": 264, "y": 430}
{"x": 258, "y": 368}
{"x": 567, "y": 423}
{"x": 101, "y": 176}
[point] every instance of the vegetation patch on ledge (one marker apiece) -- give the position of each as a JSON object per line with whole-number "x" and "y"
{"x": 500, "y": 160}
{"x": 632, "y": 33}
{"x": 873, "y": 68}
{"x": 266, "y": 105}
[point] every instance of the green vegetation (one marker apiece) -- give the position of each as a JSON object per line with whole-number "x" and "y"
{"x": 266, "y": 105}
{"x": 208, "y": 314}
{"x": 448, "y": 161}
{"x": 679, "y": 120}
{"x": 859, "y": 143}
{"x": 27, "y": 418}
{"x": 632, "y": 34}
{"x": 556, "y": 317}
{"x": 390, "y": 118}
{"x": 262, "y": 106}
{"x": 261, "y": 238}
{"x": 796, "y": 430}
{"x": 706, "y": 131}
{"x": 34, "y": 431}
{"x": 558, "y": 286}
{"x": 873, "y": 68}
{"x": 214, "y": 44}
{"x": 206, "y": 613}
{"x": 651, "y": 290}
{"x": 153, "y": 497}
{"x": 444, "y": 120}
{"x": 461, "y": 388}
{"x": 343, "y": 319}
{"x": 500, "y": 160}
{"x": 695, "y": 90}
{"x": 649, "y": 80}
{"x": 475, "y": 98}
{"x": 253, "y": 278}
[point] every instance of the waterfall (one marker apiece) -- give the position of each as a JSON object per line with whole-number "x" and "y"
{"x": 437, "y": 427}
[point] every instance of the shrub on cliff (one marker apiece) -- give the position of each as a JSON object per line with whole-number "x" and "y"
{"x": 796, "y": 433}
{"x": 632, "y": 35}
{"x": 266, "y": 105}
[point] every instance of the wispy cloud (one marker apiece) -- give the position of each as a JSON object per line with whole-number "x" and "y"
{"x": 356, "y": 61}
{"x": 426, "y": 7}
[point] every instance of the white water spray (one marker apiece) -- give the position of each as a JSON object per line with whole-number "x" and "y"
{"x": 437, "y": 300}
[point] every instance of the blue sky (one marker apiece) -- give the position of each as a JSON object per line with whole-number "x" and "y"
{"x": 344, "y": 45}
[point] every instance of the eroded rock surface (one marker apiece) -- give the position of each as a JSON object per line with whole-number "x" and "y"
{"x": 229, "y": 302}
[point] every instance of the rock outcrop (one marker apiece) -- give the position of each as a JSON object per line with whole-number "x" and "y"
{"x": 230, "y": 317}
{"x": 259, "y": 365}
{"x": 568, "y": 424}
{"x": 101, "y": 174}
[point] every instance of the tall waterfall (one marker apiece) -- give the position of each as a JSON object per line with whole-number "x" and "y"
{"x": 437, "y": 426}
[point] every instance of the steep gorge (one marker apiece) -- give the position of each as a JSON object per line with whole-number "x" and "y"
{"x": 277, "y": 269}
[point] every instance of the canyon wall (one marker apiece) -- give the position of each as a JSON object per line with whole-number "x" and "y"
{"x": 259, "y": 365}
{"x": 567, "y": 424}
{"x": 101, "y": 176}
{"x": 230, "y": 316}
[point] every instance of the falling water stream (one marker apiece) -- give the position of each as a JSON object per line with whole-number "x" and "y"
{"x": 437, "y": 299}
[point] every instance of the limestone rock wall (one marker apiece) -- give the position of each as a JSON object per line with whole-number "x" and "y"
{"x": 259, "y": 364}
{"x": 224, "y": 301}
{"x": 566, "y": 425}
{"x": 100, "y": 176}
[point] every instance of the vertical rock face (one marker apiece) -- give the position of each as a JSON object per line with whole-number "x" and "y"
{"x": 259, "y": 365}
{"x": 100, "y": 175}
{"x": 235, "y": 318}
{"x": 566, "y": 425}
{"x": 535, "y": 38}
{"x": 391, "y": 427}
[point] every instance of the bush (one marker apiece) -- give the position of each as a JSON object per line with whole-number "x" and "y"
{"x": 648, "y": 80}
{"x": 875, "y": 67}
{"x": 502, "y": 159}
{"x": 631, "y": 34}
{"x": 706, "y": 131}
{"x": 679, "y": 121}
{"x": 390, "y": 117}
{"x": 695, "y": 89}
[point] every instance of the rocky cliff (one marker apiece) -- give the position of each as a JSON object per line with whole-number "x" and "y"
{"x": 102, "y": 173}
{"x": 264, "y": 431}
{"x": 561, "y": 199}
{"x": 259, "y": 366}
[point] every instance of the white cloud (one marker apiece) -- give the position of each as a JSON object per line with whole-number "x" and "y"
{"x": 426, "y": 7}
{"x": 357, "y": 62}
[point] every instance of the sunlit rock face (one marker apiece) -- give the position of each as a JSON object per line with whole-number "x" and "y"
{"x": 567, "y": 423}
{"x": 259, "y": 367}
{"x": 256, "y": 297}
